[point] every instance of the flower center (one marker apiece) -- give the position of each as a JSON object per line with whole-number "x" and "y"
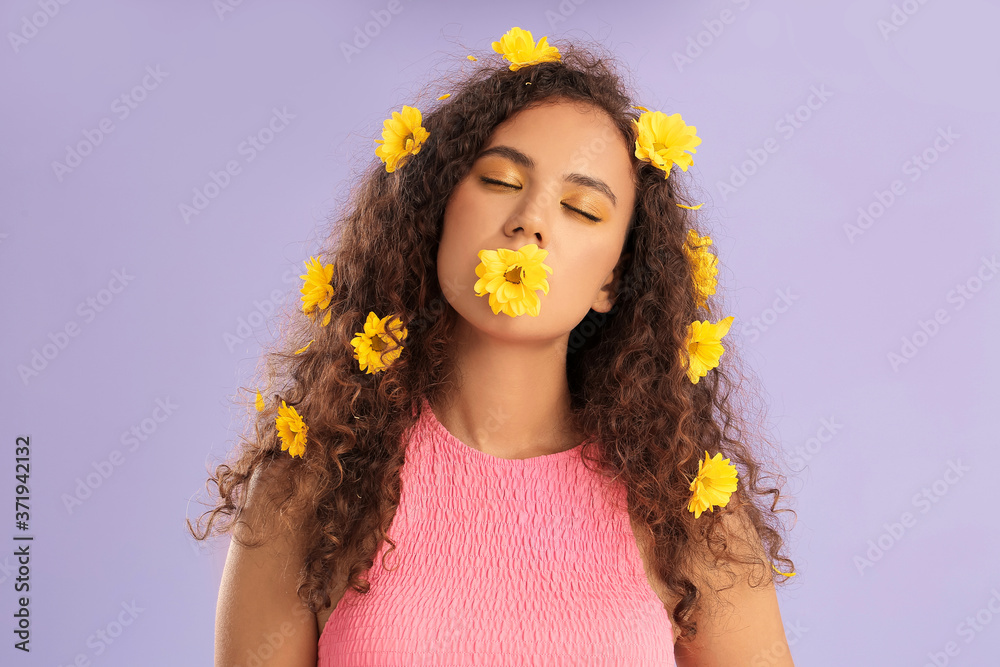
{"x": 513, "y": 275}
{"x": 378, "y": 344}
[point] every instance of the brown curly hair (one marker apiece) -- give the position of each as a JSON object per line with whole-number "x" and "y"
{"x": 628, "y": 386}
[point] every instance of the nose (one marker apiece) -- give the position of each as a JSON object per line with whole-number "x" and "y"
{"x": 530, "y": 223}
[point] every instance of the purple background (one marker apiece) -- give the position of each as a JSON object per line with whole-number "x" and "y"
{"x": 822, "y": 353}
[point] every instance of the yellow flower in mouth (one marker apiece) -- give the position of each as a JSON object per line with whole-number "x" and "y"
{"x": 704, "y": 266}
{"x": 374, "y": 340}
{"x": 663, "y": 140}
{"x": 259, "y": 402}
{"x": 704, "y": 347}
{"x": 316, "y": 288}
{"x": 518, "y": 46}
{"x": 715, "y": 483}
{"x": 291, "y": 430}
{"x": 511, "y": 277}
{"x": 402, "y": 135}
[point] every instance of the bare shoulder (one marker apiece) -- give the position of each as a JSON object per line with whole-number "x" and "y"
{"x": 259, "y": 613}
{"x": 738, "y": 620}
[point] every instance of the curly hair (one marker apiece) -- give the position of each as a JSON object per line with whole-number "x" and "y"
{"x": 628, "y": 386}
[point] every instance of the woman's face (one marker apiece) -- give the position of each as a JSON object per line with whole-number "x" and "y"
{"x": 540, "y": 178}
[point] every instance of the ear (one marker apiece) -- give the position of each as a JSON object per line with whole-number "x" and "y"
{"x": 609, "y": 291}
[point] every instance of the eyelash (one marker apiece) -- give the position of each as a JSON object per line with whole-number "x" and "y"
{"x": 590, "y": 217}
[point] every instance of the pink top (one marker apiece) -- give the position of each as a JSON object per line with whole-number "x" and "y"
{"x": 501, "y": 562}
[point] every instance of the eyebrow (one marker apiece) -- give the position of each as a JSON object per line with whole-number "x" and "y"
{"x": 520, "y": 158}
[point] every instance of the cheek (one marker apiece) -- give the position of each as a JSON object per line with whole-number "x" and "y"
{"x": 588, "y": 269}
{"x": 456, "y": 261}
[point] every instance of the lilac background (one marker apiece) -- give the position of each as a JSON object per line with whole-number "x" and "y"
{"x": 823, "y": 357}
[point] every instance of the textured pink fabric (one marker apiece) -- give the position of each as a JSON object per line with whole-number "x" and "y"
{"x": 501, "y": 562}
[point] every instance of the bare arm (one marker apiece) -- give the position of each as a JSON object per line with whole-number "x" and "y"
{"x": 740, "y": 627}
{"x": 259, "y": 614}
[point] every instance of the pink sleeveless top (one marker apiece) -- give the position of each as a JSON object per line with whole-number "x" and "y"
{"x": 501, "y": 562}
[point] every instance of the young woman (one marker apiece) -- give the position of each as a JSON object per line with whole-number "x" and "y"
{"x": 500, "y": 429}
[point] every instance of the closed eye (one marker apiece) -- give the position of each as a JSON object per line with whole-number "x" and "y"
{"x": 592, "y": 218}
{"x": 484, "y": 179}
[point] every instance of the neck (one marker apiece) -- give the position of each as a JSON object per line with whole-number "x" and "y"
{"x": 510, "y": 399}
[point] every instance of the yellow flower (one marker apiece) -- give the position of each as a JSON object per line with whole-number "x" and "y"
{"x": 636, "y": 106}
{"x": 704, "y": 266}
{"x": 402, "y": 135}
{"x": 445, "y": 96}
{"x": 305, "y": 347}
{"x": 472, "y": 57}
{"x": 692, "y": 208}
{"x": 663, "y": 140}
{"x": 518, "y": 46}
{"x": 291, "y": 429}
{"x": 511, "y": 277}
{"x": 704, "y": 347}
{"x": 316, "y": 288}
{"x": 792, "y": 574}
{"x": 714, "y": 484}
{"x": 370, "y": 344}
{"x": 259, "y": 403}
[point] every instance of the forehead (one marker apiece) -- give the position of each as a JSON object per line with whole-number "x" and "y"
{"x": 568, "y": 135}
